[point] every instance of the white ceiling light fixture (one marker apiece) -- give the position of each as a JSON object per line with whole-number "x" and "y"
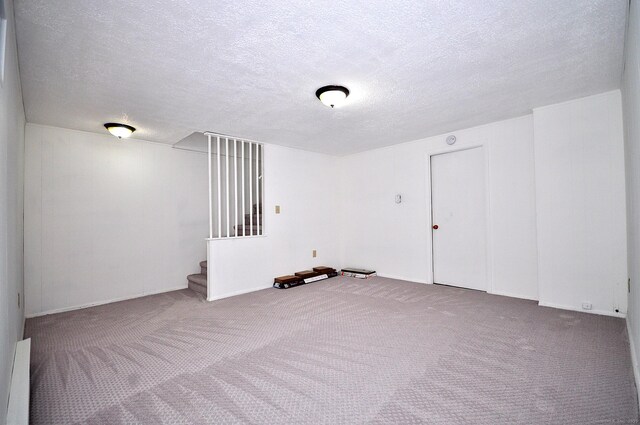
{"x": 121, "y": 131}
{"x": 332, "y": 95}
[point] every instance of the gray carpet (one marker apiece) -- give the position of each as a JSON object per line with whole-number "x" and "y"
{"x": 342, "y": 351}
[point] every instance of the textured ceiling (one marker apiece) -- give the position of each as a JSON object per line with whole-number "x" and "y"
{"x": 415, "y": 68}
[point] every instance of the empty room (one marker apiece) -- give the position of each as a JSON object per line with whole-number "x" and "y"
{"x": 323, "y": 212}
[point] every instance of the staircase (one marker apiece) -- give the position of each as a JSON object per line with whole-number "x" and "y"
{"x": 198, "y": 282}
{"x": 246, "y": 226}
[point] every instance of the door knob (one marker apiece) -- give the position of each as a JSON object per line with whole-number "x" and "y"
{"x": 435, "y": 227}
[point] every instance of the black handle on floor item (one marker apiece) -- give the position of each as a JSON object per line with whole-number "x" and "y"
{"x": 435, "y": 227}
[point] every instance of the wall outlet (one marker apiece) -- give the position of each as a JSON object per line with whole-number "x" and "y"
{"x": 587, "y": 306}
{"x": 277, "y": 209}
{"x": 315, "y": 254}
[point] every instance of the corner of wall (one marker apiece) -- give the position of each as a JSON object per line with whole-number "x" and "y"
{"x": 631, "y": 116}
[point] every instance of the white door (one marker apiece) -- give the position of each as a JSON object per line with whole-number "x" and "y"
{"x": 459, "y": 219}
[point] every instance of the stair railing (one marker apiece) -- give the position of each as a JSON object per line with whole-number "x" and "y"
{"x": 234, "y": 187}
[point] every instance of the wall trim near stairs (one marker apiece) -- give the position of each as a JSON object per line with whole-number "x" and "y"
{"x": 113, "y": 300}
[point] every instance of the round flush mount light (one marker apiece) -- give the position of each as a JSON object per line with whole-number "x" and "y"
{"x": 121, "y": 131}
{"x": 332, "y": 95}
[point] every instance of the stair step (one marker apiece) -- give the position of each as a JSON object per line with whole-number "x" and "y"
{"x": 198, "y": 288}
{"x": 203, "y": 267}
{"x": 250, "y": 230}
{"x": 247, "y": 219}
{"x": 198, "y": 279}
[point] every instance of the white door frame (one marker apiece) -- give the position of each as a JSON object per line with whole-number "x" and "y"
{"x": 429, "y": 212}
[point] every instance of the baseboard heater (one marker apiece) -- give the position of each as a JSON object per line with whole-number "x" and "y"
{"x": 18, "y": 411}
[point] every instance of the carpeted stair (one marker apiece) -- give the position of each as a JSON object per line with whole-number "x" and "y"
{"x": 248, "y": 220}
{"x": 198, "y": 282}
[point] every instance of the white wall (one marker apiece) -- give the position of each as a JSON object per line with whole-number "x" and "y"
{"x": 305, "y": 186}
{"x": 580, "y": 195}
{"x": 12, "y": 122}
{"x": 108, "y": 219}
{"x": 631, "y": 106}
{"x": 395, "y": 239}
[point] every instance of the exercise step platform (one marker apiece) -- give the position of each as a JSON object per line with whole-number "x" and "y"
{"x": 305, "y": 276}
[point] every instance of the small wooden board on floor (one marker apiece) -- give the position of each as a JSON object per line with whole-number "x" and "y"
{"x": 305, "y": 276}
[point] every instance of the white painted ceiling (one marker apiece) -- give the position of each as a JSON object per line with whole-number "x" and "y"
{"x": 415, "y": 68}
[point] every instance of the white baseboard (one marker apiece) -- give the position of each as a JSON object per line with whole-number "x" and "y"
{"x": 634, "y": 357}
{"x": 112, "y": 300}
{"x": 243, "y": 291}
{"x": 511, "y": 295}
{"x": 406, "y": 279}
{"x": 571, "y": 308}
